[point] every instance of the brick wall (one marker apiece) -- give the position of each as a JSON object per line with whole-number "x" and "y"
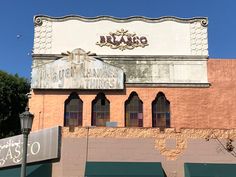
{"x": 213, "y": 107}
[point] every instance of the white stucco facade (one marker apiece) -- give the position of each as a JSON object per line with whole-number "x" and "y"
{"x": 168, "y": 50}
{"x": 169, "y": 36}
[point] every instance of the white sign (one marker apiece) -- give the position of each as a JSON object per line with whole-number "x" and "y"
{"x": 77, "y": 70}
{"x": 42, "y": 145}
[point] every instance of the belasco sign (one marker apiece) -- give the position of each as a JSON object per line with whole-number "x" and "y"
{"x": 13, "y": 151}
{"x": 122, "y": 40}
{"x": 42, "y": 145}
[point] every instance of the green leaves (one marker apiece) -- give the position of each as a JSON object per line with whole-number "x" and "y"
{"x": 13, "y": 99}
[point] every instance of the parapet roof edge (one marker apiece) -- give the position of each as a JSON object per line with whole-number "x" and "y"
{"x": 38, "y": 19}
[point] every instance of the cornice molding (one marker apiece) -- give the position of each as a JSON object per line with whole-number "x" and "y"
{"x": 38, "y": 19}
{"x": 129, "y": 57}
{"x": 169, "y": 85}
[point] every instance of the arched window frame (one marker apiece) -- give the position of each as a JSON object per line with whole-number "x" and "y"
{"x": 133, "y": 111}
{"x": 161, "y": 112}
{"x": 73, "y": 116}
{"x": 100, "y": 110}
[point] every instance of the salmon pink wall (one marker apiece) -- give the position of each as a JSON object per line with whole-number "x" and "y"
{"x": 212, "y": 107}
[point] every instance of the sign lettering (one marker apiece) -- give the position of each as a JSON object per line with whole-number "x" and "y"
{"x": 77, "y": 71}
{"x": 39, "y": 147}
{"x": 122, "y": 40}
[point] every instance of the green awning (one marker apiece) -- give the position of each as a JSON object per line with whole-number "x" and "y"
{"x": 209, "y": 170}
{"x": 39, "y": 170}
{"x": 124, "y": 169}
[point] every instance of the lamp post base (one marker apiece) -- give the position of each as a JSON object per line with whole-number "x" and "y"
{"x": 24, "y": 155}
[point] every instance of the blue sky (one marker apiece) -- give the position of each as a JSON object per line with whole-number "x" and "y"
{"x": 16, "y": 18}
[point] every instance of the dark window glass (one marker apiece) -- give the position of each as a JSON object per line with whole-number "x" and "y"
{"x": 100, "y": 110}
{"x": 161, "y": 112}
{"x": 133, "y": 111}
{"x": 73, "y": 111}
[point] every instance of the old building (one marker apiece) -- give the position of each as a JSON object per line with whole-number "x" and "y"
{"x": 133, "y": 96}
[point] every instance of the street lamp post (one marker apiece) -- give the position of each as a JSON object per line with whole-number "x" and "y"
{"x": 26, "y": 120}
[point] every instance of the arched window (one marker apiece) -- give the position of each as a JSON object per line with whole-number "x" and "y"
{"x": 73, "y": 111}
{"x": 161, "y": 112}
{"x": 100, "y": 110}
{"x": 133, "y": 111}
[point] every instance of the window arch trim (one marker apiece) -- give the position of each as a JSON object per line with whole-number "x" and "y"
{"x": 73, "y": 111}
{"x": 161, "y": 112}
{"x": 133, "y": 111}
{"x": 100, "y": 110}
